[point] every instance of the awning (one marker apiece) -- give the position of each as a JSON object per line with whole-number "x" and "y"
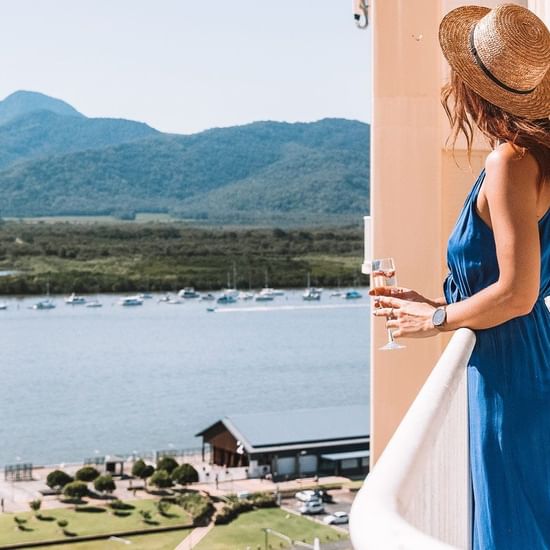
{"x": 345, "y": 456}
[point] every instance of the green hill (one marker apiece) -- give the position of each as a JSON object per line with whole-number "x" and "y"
{"x": 55, "y": 164}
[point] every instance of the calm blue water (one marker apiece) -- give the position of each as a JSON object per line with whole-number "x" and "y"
{"x": 75, "y": 381}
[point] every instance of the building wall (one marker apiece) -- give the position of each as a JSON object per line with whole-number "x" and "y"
{"x": 417, "y": 188}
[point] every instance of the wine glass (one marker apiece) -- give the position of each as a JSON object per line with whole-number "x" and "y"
{"x": 383, "y": 274}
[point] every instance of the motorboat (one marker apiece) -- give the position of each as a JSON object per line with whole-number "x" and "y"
{"x": 208, "y": 297}
{"x": 145, "y": 296}
{"x": 3, "y": 306}
{"x": 44, "y": 304}
{"x": 174, "y": 302}
{"x": 188, "y": 293}
{"x": 225, "y": 299}
{"x": 353, "y": 295}
{"x": 74, "y": 300}
{"x": 131, "y": 301}
{"x": 311, "y": 294}
{"x": 245, "y": 296}
{"x": 93, "y": 303}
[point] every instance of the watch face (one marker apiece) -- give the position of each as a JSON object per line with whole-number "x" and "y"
{"x": 439, "y": 317}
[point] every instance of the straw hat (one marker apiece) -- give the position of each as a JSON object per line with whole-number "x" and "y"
{"x": 503, "y": 54}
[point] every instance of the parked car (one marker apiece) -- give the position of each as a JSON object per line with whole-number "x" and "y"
{"x": 317, "y": 494}
{"x": 312, "y": 507}
{"x": 308, "y": 495}
{"x": 336, "y": 518}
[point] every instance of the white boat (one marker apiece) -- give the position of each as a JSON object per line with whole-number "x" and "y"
{"x": 245, "y": 296}
{"x": 208, "y": 297}
{"x": 145, "y": 296}
{"x": 93, "y": 303}
{"x": 74, "y": 300}
{"x": 44, "y": 304}
{"x": 188, "y": 293}
{"x": 3, "y": 306}
{"x": 261, "y": 297}
{"x": 311, "y": 293}
{"x": 174, "y": 302}
{"x": 131, "y": 301}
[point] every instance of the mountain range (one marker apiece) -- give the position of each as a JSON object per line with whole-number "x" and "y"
{"x": 54, "y": 161}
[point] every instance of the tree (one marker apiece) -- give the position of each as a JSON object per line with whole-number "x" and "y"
{"x": 75, "y": 490}
{"x": 142, "y": 470}
{"x": 58, "y": 479}
{"x": 185, "y": 474}
{"x": 87, "y": 473}
{"x": 35, "y": 505}
{"x": 161, "y": 479}
{"x": 104, "y": 484}
{"x": 167, "y": 463}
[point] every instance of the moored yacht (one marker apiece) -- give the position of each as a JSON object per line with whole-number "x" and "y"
{"x": 3, "y": 306}
{"x": 353, "y": 295}
{"x": 131, "y": 301}
{"x": 74, "y": 300}
{"x": 188, "y": 293}
{"x": 44, "y": 304}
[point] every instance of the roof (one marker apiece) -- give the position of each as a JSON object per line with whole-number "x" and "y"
{"x": 299, "y": 426}
{"x": 345, "y": 456}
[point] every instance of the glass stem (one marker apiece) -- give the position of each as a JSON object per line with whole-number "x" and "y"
{"x": 390, "y": 336}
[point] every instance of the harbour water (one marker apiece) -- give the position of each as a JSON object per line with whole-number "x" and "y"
{"x": 77, "y": 381}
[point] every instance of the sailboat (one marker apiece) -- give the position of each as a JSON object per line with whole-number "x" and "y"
{"x": 311, "y": 294}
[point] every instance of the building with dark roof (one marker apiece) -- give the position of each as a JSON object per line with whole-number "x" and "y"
{"x": 293, "y": 443}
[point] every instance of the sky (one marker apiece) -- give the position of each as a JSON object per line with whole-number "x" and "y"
{"x": 183, "y": 66}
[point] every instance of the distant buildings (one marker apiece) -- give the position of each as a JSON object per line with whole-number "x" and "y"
{"x": 295, "y": 443}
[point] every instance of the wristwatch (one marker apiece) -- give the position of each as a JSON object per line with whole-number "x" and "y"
{"x": 439, "y": 317}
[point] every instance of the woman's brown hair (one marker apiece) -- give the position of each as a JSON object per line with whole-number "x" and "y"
{"x": 466, "y": 110}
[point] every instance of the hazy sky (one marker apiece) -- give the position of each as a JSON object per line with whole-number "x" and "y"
{"x": 186, "y": 65}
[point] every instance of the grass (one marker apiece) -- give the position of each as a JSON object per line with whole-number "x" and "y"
{"x": 85, "y": 523}
{"x": 246, "y": 531}
{"x": 155, "y": 541}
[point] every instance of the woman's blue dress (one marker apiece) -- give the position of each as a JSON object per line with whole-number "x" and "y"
{"x": 508, "y": 396}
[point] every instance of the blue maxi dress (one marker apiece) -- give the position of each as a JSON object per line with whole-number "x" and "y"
{"x": 508, "y": 396}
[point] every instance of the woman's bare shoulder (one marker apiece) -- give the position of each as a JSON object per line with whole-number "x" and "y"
{"x": 511, "y": 163}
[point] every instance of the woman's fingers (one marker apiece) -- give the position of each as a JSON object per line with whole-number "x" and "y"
{"x": 388, "y": 291}
{"x": 384, "y": 312}
{"x": 385, "y": 302}
{"x": 392, "y": 323}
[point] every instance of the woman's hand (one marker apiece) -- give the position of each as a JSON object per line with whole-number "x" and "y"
{"x": 406, "y": 318}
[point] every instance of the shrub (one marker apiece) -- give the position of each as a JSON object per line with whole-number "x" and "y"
{"x": 75, "y": 490}
{"x": 184, "y": 474}
{"x": 263, "y": 500}
{"x": 58, "y": 479}
{"x": 167, "y": 463}
{"x": 232, "y": 510}
{"x": 198, "y": 506}
{"x": 161, "y": 479}
{"x": 105, "y": 484}
{"x": 87, "y": 473}
{"x": 163, "y": 506}
{"x": 62, "y": 523}
{"x": 119, "y": 505}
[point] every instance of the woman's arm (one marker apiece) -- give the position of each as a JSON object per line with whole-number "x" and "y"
{"x": 510, "y": 189}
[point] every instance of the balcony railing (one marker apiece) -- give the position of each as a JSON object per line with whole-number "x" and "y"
{"x": 418, "y": 497}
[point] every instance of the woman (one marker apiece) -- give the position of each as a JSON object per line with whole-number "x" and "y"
{"x": 499, "y": 263}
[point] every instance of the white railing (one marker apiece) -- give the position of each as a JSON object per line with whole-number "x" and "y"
{"x": 417, "y": 497}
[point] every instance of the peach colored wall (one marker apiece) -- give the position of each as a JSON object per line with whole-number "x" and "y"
{"x": 417, "y": 189}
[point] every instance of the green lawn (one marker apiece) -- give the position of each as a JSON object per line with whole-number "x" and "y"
{"x": 85, "y": 523}
{"x": 156, "y": 541}
{"x": 246, "y": 531}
